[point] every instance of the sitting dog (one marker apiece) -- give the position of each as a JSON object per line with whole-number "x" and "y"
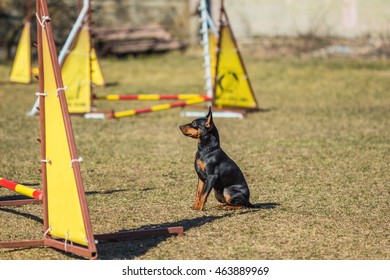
{"x": 214, "y": 168}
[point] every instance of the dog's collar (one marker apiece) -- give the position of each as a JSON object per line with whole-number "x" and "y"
{"x": 208, "y": 149}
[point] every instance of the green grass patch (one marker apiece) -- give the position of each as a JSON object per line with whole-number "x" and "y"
{"x": 321, "y": 151}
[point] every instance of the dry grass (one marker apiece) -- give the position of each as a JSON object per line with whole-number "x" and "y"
{"x": 321, "y": 152}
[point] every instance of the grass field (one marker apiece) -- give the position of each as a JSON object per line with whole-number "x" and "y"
{"x": 317, "y": 160}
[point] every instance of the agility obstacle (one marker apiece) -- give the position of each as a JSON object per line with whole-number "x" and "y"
{"x": 80, "y": 66}
{"x": 227, "y": 84}
{"x": 21, "y": 189}
{"x": 21, "y": 68}
{"x": 232, "y": 86}
{"x": 188, "y": 100}
{"x": 66, "y": 221}
{"x": 227, "y": 81}
{"x": 151, "y": 97}
{"x": 156, "y": 108}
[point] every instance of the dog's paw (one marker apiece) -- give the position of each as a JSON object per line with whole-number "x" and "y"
{"x": 230, "y": 207}
{"x": 197, "y": 207}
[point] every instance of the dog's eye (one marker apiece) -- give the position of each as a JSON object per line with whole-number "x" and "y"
{"x": 194, "y": 124}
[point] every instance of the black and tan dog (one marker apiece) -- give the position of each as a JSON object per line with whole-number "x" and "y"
{"x": 215, "y": 168}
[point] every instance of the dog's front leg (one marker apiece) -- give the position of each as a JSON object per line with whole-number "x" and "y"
{"x": 210, "y": 182}
{"x": 199, "y": 192}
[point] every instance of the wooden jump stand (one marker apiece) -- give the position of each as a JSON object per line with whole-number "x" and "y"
{"x": 66, "y": 221}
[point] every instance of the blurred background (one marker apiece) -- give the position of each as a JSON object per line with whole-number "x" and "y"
{"x": 322, "y": 27}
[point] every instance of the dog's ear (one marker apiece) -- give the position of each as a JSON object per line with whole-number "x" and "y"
{"x": 209, "y": 122}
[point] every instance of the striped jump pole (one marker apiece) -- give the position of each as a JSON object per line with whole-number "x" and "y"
{"x": 156, "y": 108}
{"x": 24, "y": 190}
{"x": 150, "y": 97}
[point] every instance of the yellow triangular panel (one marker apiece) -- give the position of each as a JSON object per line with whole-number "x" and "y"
{"x": 35, "y": 71}
{"x": 76, "y": 74}
{"x": 232, "y": 87}
{"x": 96, "y": 71}
{"x": 213, "y": 53}
{"x": 21, "y": 68}
{"x": 65, "y": 217}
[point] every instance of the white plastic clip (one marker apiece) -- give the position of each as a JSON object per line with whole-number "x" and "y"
{"x": 80, "y": 159}
{"x": 63, "y": 88}
{"x": 42, "y": 21}
{"x": 41, "y": 94}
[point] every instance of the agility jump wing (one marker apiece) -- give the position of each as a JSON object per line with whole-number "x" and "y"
{"x": 96, "y": 71}
{"x": 64, "y": 201}
{"x": 76, "y": 73}
{"x": 232, "y": 87}
{"x": 21, "y": 68}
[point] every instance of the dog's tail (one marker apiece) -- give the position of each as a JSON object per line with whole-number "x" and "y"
{"x": 262, "y": 205}
{"x": 250, "y": 205}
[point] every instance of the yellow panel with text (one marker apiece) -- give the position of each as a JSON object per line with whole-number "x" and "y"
{"x": 232, "y": 88}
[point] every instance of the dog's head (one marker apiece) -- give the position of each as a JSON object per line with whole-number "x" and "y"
{"x": 199, "y": 128}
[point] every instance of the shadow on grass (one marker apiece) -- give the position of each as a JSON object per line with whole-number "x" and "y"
{"x": 266, "y": 110}
{"x": 132, "y": 248}
{"x": 136, "y": 247}
{"x": 104, "y": 192}
{"x": 36, "y": 185}
{"x": 111, "y": 84}
{"x": 34, "y": 217}
{"x": 13, "y": 197}
{"x": 25, "y": 215}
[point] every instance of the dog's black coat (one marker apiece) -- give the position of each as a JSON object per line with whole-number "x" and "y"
{"x": 215, "y": 168}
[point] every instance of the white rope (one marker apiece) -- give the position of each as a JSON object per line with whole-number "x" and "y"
{"x": 63, "y": 88}
{"x": 80, "y": 159}
{"x": 66, "y": 240}
{"x": 42, "y": 21}
{"x": 47, "y": 231}
{"x": 46, "y": 160}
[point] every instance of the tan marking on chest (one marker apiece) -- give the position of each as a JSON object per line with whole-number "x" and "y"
{"x": 201, "y": 164}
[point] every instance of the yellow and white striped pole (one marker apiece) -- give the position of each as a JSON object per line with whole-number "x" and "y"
{"x": 149, "y": 97}
{"x": 157, "y": 108}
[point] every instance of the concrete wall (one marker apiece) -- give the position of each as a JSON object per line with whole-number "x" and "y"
{"x": 345, "y": 18}
{"x": 173, "y": 14}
